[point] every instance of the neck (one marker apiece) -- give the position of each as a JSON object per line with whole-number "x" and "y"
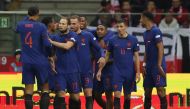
{"x": 149, "y": 25}
{"x": 33, "y": 18}
{"x": 123, "y": 35}
{"x": 78, "y": 31}
{"x": 49, "y": 31}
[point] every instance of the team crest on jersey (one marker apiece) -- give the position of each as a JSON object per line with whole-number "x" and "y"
{"x": 129, "y": 45}
{"x": 83, "y": 41}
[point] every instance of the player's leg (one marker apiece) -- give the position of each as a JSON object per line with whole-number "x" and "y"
{"x": 127, "y": 101}
{"x": 97, "y": 93}
{"x": 107, "y": 83}
{"x": 98, "y": 97}
{"x": 45, "y": 98}
{"x": 148, "y": 85}
{"x": 28, "y": 78}
{"x": 117, "y": 95}
{"x": 87, "y": 83}
{"x": 59, "y": 100}
{"x": 129, "y": 86}
{"x": 109, "y": 99}
{"x": 74, "y": 101}
{"x": 161, "y": 91}
{"x": 74, "y": 88}
{"x": 42, "y": 75}
{"x": 160, "y": 83}
{"x": 28, "y": 96}
{"x": 117, "y": 87}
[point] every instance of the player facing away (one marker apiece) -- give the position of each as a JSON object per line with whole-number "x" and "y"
{"x": 86, "y": 42}
{"x": 124, "y": 49}
{"x": 154, "y": 71}
{"x": 67, "y": 67}
{"x": 105, "y": 85}
{"x": 34, "y": 38}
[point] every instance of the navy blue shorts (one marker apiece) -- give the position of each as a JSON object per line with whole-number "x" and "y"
{"x": 87, "y": 80}
{"x": 39, "y": 71}
{"x": 153, "y": 79}
{"x": 67, "y": 82}
{"x": 125, "y": 79}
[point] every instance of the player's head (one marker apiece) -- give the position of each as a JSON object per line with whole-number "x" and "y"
{"x": 63, "y": 24}
{"x": 33, "y": 11}
{"x": 83, "y": 22}
{"x": 101, "y": 30}
{"x": 75, "y": 23}
{"x": 50, "y": 23}
{"x": 121, "y": 27}
{"x": 17, "y": 54}
{"x": 146, "y": 18}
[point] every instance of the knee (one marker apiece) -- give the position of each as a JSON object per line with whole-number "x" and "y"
{"x": 88, "y": 92}
{"x": 117, "y": 94}
{"x": 75, "y": 97}
{"x": 161, "y": 92}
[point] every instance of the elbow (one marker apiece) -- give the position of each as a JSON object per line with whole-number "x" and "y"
{"x": 67, "y": 47}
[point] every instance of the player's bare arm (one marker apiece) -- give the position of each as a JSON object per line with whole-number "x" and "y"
{"x": 65, "y": 46}
{"x": 137, "y": 66}
{"x": 144, "y": 66}
{"x": 160, "y": 56}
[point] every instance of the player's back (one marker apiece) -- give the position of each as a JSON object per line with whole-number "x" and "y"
{"x": 33, "y": 39}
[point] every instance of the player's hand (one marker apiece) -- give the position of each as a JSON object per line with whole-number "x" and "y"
{"x": 52, "y": 64}
{"x": 101, "y": 62}
{"x": 138, "y": 78}
{"x": 50, "y": 40}
{"x": 98, "y": 75}
{"x": 143, "y": 72}
{"x": 161, "y": 71}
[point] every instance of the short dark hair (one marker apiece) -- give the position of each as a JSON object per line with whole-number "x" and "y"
{"x": 148, "y": 15}
{"x": 75, "y": 17}
{"x": 121, "y": 21}
{"x": 47, "y": 20}
{"x": 103, "y": 25}
{"x": 63, "y": 17}
{"x": 32, "y": 11}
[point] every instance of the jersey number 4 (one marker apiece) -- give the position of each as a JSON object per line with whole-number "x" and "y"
{"x": 28, "y": 39}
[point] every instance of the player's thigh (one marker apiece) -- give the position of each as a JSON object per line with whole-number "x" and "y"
{"x": 159, "y": 81}
{"x": 75, "y": 96}
{"x": 28, "y": 74}
{"x": 98, "y": 86}
{"x": 117, "y": 80}
{"x": 73, "y": 83}
{"x": 148, "y": 81}
{"x": 87, "y": 80}
{"x": 148, "y": 92}
{"x": 129, "y": 85}
{"x": 42, "y": 72}
{"x": 107, "y": 80}
{"x": 60, "y": 82}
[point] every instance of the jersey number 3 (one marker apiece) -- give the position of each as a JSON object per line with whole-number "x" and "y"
{"x": 28, "y": 39}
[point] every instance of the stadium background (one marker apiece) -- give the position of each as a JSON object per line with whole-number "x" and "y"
{"x": 177, "y": 42}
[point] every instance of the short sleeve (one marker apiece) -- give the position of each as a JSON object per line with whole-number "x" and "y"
{"x": 110, "y": 45}
{"x": 73, "y": 37}
{"x": 157, "y": 36}
{"x": 136, "y": 45}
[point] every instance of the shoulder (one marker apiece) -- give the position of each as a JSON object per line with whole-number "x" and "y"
{"x": 156, "y": 30}
{"x": 132, "y": 37}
